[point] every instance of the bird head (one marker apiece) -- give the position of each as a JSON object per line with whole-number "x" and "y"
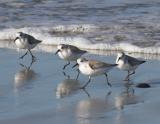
{"x": 18, "y": 35}
{"x": 79, "y": 61}
{"x": 120, "y": 55}
{"x": 60, "y": 47}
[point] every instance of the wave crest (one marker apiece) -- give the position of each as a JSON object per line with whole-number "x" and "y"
{"x": 49, "y": 37}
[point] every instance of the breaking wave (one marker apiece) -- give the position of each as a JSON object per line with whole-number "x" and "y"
{"x": 85, "y": 36}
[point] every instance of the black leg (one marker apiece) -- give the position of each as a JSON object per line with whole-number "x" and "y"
{"x": 23, "y": 55}
{"x": 86, "y": 92}
{"x": 129, "y": 74}
{"x": 23, "y": 65}
{"x": 33, "y": 57}
{"x": 27, "y": 67}
{"x": 86, "y": 83}
{"x": 68, "y": 77}
{"x": 66, "y": 65}
{"x": 107, "y": 80}
{"x": 77, "y": 74}
{"x": 127, "y": 77}
{"x": 31, "y": 63}
{"x": 132, "y": 73}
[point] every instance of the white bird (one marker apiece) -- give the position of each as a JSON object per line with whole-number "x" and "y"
{"x": 93, "y": 68}
{"x": 128, "y": 63}
{"x": 69, "y": 53}
{"x": 26, "y": 41}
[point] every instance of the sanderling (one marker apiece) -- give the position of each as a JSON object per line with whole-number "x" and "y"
{"x": 69, "y": 53}
{"x": 26, "y": 41}
{"x": 128, "y": 63}
{"x": 93, "y": 68}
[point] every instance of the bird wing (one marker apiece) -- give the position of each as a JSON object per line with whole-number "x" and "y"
{"x": 76, "y": 49}
{"x": 97, "y": 64}
{"x": 134, "y": 61}
{"x": 31, "y": 39}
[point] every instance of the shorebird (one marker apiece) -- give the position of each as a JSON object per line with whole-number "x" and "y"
{"x": 93, "y": 68}
{"x": 69, "y": 53}
{"x": 26, "y": 41}
{"x": 128, "y": 63}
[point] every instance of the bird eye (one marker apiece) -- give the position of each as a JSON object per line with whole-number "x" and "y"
{"x": 119, "y": 58}
{"x": 81, "y": 61}
{"x": 20, "y": 34}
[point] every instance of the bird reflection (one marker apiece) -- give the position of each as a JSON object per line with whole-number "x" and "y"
{"x": 25, "y": 75}
{"x": 68, "y": 76}
{"x": 126, "y": 97}
{"x": 68, "y": 87}
{"x": 94, "y": 107}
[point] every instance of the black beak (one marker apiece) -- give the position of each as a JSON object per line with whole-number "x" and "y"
{"x": 16, "y": 39}
{"x": 57, "y": 52}
{"x": 75, "y": 65}
{"x": 119, "y": 59}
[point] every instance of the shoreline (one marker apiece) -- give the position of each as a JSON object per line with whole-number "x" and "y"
{"x": 53, "y": 48}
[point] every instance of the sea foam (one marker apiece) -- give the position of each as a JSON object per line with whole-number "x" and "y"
{"x": 50, "y": 36}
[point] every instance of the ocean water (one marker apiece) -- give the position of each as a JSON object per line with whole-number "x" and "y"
{"x": 127, "y": 25}
{"x": 43, "y": 94}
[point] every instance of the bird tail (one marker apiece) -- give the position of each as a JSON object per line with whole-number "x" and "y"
{"x": 84, "y": 51}
{"x": 39, "y": 41}
{"x": 114, "y": 65}
{"x": 142, "y": 62}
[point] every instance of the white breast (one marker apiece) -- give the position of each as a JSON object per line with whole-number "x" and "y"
{"x": 68, "y": 55}
{"x": 63, "y": 55}
{"x": 21, "y": 44}
{"x": 85, "y": 69}
{"x": 125, "y": 66}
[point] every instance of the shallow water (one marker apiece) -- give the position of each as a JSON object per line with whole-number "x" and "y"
{"x": 42, "y": 94}
{"x": 92, "y": 24}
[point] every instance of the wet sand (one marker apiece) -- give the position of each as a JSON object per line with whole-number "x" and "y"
{"x": 43, "y": 94}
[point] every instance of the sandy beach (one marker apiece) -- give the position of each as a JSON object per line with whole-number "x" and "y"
{"x": 43, "y": 94}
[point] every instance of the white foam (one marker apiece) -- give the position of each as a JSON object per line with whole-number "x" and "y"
{"x": 38, "y": 31}
{"x": 75, "y": 28}
{"x": 44, "y": 34}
